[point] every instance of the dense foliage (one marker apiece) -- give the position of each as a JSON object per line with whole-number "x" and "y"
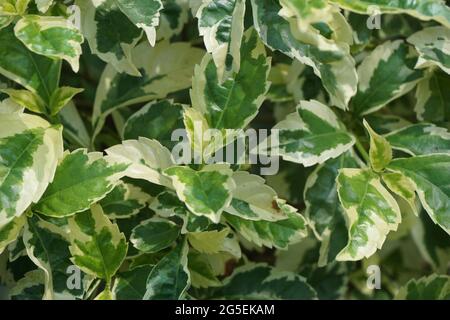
{"x": 352, "y": 97}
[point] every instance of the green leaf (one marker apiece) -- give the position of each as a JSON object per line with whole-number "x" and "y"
{"x": 434, "y": 287}
{"x": 433, "y": 242}
{"x": 312, "y": 135}
{"x": 156, "y": 120}
{"x": 432, "y": 45}
{"x": 29, "y": 151}
{"x": 131, "y": 285}
{"x": 154, "y": 235}
{"x": 170, "y": 277}
{"x": 433, "y": 98}
{"x": 430, "y": 174}
{"x": 330, "y": 60}
{"x": 425, "y": 10}
{"x": 36, "y": 73}
{"x": 420, "y": 139}
{"x": 146, "y": 159}
{"x": 74, "y": 128}
{"x": 61, "y": 97}
{"x": 10, "y": 231}
{"x": 262, "y": 282}
{"x": 380, "y": 152}
{"x": 164, "y": 69}
{"x": 124, "y": 201}
{"x": 234, "y": 102}
{"x": 81, "y": 179}
{"x": 13, "y": 7}
{"x": 378, "y": 85}
{"x": 371, "y": 212}
{"x": 221, "y": 23}
{"x": 144, "y": 14}
{"x": 48, "y": 247}
{"x": 53, "y": 37}
{"x": 278, "y": 234}
{"x": 97, "y": 246}
{"x": 206, "y": 192}
{"x": 27, "y": 99}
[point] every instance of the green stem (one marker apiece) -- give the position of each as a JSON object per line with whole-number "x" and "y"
{"x": 362, "y": 151}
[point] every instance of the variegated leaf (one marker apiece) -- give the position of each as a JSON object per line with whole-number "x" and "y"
{"x": 433, "y": 45}
{"x": 61, "y": 97}
{"x": 201, "y": 271}
{"x": 131, "y": 285}
{"x": 170, "y": 277}
{"x": 36, "y": 73}
{"x": 324, "y": 213}
{"x": 97, "y": 246}
{"x": 262, "y": 282}
{"x": 30, "y": 287}
{"x": 156, "y": 120}
{"x": 110, "y": 34}
{"x": 29, "y": 151}
{"x": 221, "y": 23}
{"x": 174, "y": 16}
{"x": 330, "y": 60}
{"x": 380, "y": 152}
{"x": 10, "y": 231}
{"x": 433, "y": 242}
{"x": 433, "y": 98}
{"x": 81, "y": 180}
{"x": 254, "y": 200}
{"x": 430, "y": 175}
{"x": 144, "y": 14}
{"x": 206, "y": 192}
{"x": 434, "y": 287}
{"x": 209, "y": 241}
{"x": 378, "y": 85}
{"x": 402, "y": 187}
{"x": 371, "y": 212}
{"x": 233, "y": 103}
{"x": 278, "y": 234}
{"x": 124, "y": 201}
{"x": 164, "y": 69}
{"x": 167, "y": 204}
{"x": 154, "y": 235}
{"x": 47, "y": 246}
{"x": 146, "y": 159}
{"x": 312, "y": 135}
{"x": 420, "y": 139}
{"x": 425, "y": 10}
{"x": 53, "y": 37}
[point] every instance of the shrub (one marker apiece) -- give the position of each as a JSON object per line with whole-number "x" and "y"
{"x": 174, "y": 149}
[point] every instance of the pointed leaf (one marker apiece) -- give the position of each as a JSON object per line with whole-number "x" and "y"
{"x": 81, "y": 179}
{"x": 206, "y": 192}
{"x": 170, "y": 277}
{"x": 371, "y": 212}
{"x": 97, "y": 246}
{"x": 312, "y": 135}
{"x": 53, "y": 37}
